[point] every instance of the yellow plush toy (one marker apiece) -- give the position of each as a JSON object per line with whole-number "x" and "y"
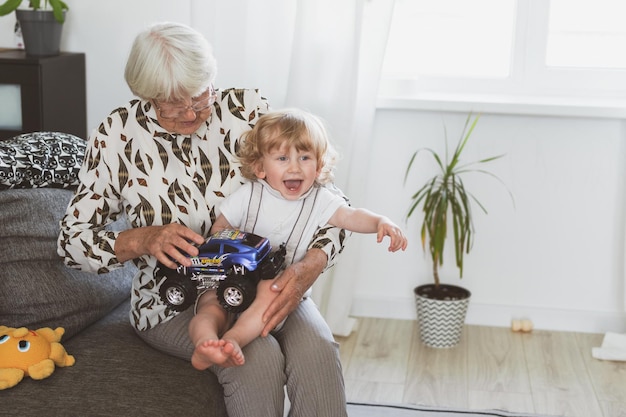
{"x": 30, "y": 352}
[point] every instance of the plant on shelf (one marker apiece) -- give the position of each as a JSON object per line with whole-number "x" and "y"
{"x": 40, "y": 26}
{"x": 58, "y": 7}
{"x": 445, "y": 202}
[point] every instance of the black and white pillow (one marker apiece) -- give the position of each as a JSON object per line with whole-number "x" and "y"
{"x": 41, "y": 159}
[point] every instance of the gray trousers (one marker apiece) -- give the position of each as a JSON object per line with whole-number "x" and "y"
{"x": 302, "y": 355}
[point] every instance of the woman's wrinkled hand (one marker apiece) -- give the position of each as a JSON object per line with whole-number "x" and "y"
{"x": 291, "y": 285}
{"x": 169, "y": 244}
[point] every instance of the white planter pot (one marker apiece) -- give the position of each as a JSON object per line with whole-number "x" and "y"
{"x": 441, "y": 321}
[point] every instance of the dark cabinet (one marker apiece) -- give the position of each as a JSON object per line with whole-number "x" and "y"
{"x": 42, "y": 93}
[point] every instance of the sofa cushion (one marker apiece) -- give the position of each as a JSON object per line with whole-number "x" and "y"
{"x": 36, "y": 288}
{"x": 117, "y": 374}
{"x": 41, "y": 159}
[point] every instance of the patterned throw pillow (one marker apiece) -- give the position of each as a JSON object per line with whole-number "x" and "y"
{"x": 41, "y": 159}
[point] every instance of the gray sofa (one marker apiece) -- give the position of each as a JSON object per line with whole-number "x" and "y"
{"x": 116, "y": 373}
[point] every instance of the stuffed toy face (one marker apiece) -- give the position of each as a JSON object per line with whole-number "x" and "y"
{"x": 32, "y": 353}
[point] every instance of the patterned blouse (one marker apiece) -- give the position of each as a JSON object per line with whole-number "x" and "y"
{"x": 135, "y": 168}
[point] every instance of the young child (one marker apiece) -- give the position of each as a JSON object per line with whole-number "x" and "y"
{"x": 288, "y": 157}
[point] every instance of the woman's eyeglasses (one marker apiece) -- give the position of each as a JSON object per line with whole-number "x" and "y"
{"x": 172, "y": 111}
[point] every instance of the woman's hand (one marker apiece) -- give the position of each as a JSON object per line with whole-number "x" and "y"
{"x": 166, "y": 243}
{"x": 291, "y": 285}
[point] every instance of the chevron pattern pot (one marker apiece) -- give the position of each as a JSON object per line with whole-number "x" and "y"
{"x": 441, "y": 317}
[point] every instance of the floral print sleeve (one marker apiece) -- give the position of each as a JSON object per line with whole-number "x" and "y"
{"x": 331, "y": 239}
{"x": 84, "y": 240}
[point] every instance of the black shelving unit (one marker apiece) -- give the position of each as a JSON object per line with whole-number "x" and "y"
{"x": 52, "y": 91}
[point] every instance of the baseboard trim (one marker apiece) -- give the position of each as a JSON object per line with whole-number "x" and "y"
{"x": 500, "y": 315}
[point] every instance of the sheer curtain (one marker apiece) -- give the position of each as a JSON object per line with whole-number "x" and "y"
{"x": 344, "y": 93}
{"x": 320, "y": 55}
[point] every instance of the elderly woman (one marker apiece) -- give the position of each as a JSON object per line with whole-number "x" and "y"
{"x": 165, "y": 160}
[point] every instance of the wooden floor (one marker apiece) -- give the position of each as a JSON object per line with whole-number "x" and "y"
{"x": 543, "y": 372}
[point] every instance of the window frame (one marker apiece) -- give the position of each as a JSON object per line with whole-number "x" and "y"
{"x": 531, "y": 88}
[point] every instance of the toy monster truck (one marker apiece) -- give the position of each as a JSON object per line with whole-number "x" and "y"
{"x": 231, "y": 261}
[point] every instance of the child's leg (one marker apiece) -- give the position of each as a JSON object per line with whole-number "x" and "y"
{"x": 205, "y": 329}
{"x": 249, "y": 325}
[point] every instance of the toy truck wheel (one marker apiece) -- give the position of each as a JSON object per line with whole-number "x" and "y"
{"x": 273, "y": 264}
{"x": 178, "y": 292}
{"x": 236, "y": 293}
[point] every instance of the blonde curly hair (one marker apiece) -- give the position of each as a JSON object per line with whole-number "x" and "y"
{"x": 293, "y": 127}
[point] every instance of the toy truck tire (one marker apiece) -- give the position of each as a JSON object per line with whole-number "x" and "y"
{"x": 178, "y": 292}
{"x": 236, "y": 292}
{"x": 273, "y": 264}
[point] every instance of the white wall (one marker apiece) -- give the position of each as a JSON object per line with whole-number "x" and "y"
{"x": 556, "y": 257}
{"x": 105, "y": 35}
{"x": 104, "y": 31}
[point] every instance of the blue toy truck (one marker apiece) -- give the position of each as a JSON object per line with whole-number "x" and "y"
{"x": 231, "y": 262}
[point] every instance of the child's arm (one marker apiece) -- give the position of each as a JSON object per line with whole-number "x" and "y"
{"x": 364, "y": 221}
{"x": 220, "y": 224}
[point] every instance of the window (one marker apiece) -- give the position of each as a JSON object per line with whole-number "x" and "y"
{"x": 450, "y": 38}
{"x": 515, "y": 48}
{"x": 585, "y": 34}
{"x": 230, "y": 249}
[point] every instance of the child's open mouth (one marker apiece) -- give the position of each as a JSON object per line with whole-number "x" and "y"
{"x": 292, "y": 185}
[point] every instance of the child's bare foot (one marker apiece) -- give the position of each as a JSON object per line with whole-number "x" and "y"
{"x": 225, "y": 353}
{"x": 207, "y": 353}
{"x": 234, "y": 353}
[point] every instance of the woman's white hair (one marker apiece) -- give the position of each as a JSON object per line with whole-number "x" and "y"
{"x": 169, "y": 62}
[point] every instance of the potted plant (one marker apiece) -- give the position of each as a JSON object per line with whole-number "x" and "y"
{"x": 445, "y": 202}
{"x": 41, "y": 26}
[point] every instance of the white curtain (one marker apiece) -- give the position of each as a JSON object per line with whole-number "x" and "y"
{"x": 351, "y": 115}
{"x": 320, "y": 55}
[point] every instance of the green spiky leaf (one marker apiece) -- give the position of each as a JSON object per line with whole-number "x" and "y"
{"x": 445, "y": 201}
{"x": 58, "y": 7}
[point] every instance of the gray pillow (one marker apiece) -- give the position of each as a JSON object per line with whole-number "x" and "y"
{"x": 36, "y": 288}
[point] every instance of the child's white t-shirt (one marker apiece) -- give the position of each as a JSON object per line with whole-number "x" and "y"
{"x": 277, "y": 216}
